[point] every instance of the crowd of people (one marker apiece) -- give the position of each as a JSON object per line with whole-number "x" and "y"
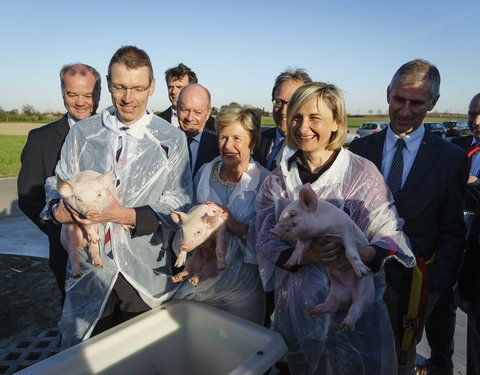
{"x": 413, "y": 195}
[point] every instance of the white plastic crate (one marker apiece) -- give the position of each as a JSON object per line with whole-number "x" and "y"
{"x": 180, "y": 337}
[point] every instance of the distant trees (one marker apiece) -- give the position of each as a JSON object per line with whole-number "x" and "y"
{"x": 28, "y": 114}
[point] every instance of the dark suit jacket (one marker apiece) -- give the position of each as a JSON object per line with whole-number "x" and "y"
{"x": 431, "y": 203}
{"x": 207, "y": 150}
{"x": 472, "y": 197}
{"x": 262, "y": 150}
{"x": 39, "y": 158}
{"x": 167, "y": 115}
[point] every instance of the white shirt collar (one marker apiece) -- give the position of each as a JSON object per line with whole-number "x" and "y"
{"x": 71, "y": 120}
{"x": 137, "y": 129}
{"x": 412, "y": 140}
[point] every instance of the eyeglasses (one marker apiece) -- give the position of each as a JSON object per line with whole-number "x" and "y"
{"x": 279, "y": 103}
{"x": 118, "y": 89}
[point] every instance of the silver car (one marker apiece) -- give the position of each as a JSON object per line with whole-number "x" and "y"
{"x": 368, "y": 128}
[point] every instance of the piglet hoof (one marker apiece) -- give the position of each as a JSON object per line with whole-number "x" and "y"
{"x": 314, "y": 313}
{"x": 177, "y": 278}
{"x": 361, "y": 270}
{"x": 347, "y": 326}
{"x": 76, "y": 275}
{"x": 194, "y": 280}
{"x": 221, "y": 266}
{"x": 98, "y": 265}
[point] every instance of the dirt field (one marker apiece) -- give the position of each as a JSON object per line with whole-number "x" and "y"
{"x": 17, "y": 128}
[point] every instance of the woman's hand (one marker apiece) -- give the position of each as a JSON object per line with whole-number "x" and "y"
{"x": 233, "y": 225}
{"x": 330, "y": 249}
{"x": 324, "y": 250}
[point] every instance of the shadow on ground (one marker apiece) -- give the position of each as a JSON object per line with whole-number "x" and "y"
{"x": 30, "y": 297}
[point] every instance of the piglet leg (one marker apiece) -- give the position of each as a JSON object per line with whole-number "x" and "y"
{"x": 297, "y": 254}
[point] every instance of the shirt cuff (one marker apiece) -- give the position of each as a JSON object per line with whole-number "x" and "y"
{"x": 146, "y": 223}
{"x": 380, "y": 255}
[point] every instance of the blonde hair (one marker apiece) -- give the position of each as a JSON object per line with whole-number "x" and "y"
{"x": 333, "y": 97}
{"x": 247, "y": 116}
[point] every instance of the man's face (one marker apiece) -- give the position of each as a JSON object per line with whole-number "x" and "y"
{"x": 193, "y": 110}
{"x": 408, "y": 104}
{"x": 474, "y": 117}
{"x": 283, "y": 93}
{"x": 174, "y": 86}
{"x": 79, "y": 95}
{"x": 130, "y": 89}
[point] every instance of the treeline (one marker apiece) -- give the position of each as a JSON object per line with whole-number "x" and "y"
{"x": 28, "y": 114}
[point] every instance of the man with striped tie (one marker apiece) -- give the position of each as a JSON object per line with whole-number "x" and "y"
{"x": 149, "y": 158}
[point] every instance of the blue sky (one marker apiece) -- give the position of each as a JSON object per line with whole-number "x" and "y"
{"x": 237, "y": 48}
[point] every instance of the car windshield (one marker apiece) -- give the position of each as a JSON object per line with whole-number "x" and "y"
{"x": 369, "y": 126}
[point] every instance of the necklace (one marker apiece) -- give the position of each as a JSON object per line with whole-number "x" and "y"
{"x": 220, "y": 180}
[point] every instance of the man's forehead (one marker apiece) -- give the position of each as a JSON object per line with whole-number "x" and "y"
{"x": 119, "y": 70}
{"x": 183, "y": 80}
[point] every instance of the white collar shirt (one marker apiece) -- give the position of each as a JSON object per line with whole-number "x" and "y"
{"x": 412, "y": 144}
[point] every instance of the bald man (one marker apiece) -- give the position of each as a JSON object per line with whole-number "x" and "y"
{"x": 194, "y": 109}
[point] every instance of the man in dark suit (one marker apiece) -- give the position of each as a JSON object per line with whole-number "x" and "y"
{"x": 427, "y": 178}
{"x": 193, "y": 112}
{"x": 269, "y": 152}
{"x": 469, "y": 278}
{"x": 81, "y": 85}
{"x": 440, "y": 326}
{"x": 177, "y": 78}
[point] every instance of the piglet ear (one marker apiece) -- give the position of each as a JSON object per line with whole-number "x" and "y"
{"x": 210, "y": 221}
{"x": 308, "y": 199}
{"x": 177, "y": 216}
{"x": 65, "y": 188}
{"x": 106, "y": 179}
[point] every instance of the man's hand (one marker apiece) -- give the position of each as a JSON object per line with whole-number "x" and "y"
{"x": 62, "y": 213}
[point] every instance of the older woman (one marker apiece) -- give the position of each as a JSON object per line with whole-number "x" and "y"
{"x": 316, "y": 120}
{"x": 230, "y": 183}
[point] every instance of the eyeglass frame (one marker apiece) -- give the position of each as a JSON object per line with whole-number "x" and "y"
{"x": 282, "y": 103}
{"x": 121, "y": 89}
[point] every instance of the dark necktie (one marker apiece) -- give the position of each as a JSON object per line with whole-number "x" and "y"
{"x": 396, "y": 170}
{"x": 272, "y": 159}
{"x": 189, "y": 142}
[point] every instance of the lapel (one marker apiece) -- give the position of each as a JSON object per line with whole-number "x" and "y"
{"x": 61, "y": 131}
{"x": 375, "y": 148}
{"x": 426, "y": 156}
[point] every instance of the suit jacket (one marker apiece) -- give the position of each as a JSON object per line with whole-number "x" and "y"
{"x": 39, "y": 158}
{"x": 431, "y": 203}
{"x": 207, "y": 150}
{"x": 472, "y": 197}
{"x": 167, "y": 115}
{"x": 262, "y": 150}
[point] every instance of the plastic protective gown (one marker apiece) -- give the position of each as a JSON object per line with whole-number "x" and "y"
{"x": 238, "y": 289}
{"x": 317, "y": 345}
{"x": 153, "y": 170}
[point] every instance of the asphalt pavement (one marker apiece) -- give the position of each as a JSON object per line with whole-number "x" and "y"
{"x": 23, "y": 265}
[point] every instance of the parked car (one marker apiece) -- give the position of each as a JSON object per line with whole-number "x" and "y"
{"x": 350, "y": 137}
{"x": 368, "y": 128}
{"x": 456, "y": 128}
{"x": 437, "y": 128}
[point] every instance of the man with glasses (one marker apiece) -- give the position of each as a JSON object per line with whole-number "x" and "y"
{"x": 81, "y": 86}
{"x": 149, "y": 159}
{"x": 177, "y": 78}
{"x": 269, "y": 151}
{"x": 193, "y": 111}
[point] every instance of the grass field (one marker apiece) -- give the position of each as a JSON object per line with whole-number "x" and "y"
{"x": 10, "y": 149}
{"x": 14, "y": 136}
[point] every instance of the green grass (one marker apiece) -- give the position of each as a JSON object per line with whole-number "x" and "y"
{"x": 11, "y": 147}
